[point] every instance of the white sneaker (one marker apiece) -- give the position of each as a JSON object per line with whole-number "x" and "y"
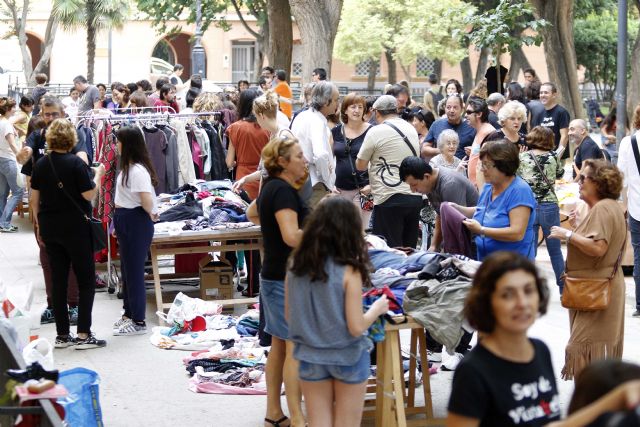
{"x": 130, "y": 328}
{"x": 434, "y": 357}
{"x": 452, "y": 362}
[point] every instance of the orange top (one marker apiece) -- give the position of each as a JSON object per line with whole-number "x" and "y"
{"x": 248, "y": 139}
{"x": 284, "y": 91}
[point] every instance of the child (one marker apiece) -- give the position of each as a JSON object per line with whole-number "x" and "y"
{"x": 326, "y": 320}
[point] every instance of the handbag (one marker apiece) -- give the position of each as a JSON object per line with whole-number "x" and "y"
{"x": 366, "y": 200}
{"x": 588, "y": 293}
{"x": 98, "y": 233}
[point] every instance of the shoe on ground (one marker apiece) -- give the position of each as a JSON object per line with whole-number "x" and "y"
{"x": 73, "y": 316}
{"x": 47, "y": 316}
{"x": 130, "y": 328}
{"x": 121, "y": 321}
{"x": 64, "y": 341}
{"x": 636, "y": 313}
{"x": 452, "y": 362}
{"x": 90, "y": 342}
{"x": 434, "y": 357}
{"x": 9, "y": 229}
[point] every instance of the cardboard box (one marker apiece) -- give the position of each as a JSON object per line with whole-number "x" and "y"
{"x": 216, "y": 279}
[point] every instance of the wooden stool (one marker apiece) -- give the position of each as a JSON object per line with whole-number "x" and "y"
{"x": 394, "y": 401}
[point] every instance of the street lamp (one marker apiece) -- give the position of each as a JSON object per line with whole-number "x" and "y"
{"x": 197, "y": 51}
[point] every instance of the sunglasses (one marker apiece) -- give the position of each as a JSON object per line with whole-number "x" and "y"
{"x": 581, "y": 178}
{"x": 470, "y": 112}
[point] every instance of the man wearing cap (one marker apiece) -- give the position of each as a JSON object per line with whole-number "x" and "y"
{"x": 396, "y": 209}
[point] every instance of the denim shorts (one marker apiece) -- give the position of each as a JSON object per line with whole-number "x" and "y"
{"x": 272, "y": 298}
{"x": 350, "y": 374}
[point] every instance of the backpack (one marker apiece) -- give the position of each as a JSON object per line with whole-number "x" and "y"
{"x": 436, "y": 97}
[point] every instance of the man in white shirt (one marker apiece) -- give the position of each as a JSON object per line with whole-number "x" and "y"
{"x": 628, "y": 165}
{"x": 312, "y": 131}
{"x": 396, "y": 208}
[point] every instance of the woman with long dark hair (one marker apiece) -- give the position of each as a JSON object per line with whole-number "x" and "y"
{"x": 134, "y": 216}
{"x": 325, "y": 299}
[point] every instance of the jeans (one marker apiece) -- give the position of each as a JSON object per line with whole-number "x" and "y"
{"x": 634, "y": 228}
{"x": 548, "y": 215}
{"x": 8, "y": 176}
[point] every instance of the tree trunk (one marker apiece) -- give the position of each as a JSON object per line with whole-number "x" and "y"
{"x": 280, "y": 35}
{"x": 559, "y": 51}
{"x": 260, "y": 54}
{"x": 91, "y": 51}
{"x": 499, "y": 84}
{"x": 483, "y": 61}
{"x": 49, "y": 37}
{"x": 467, "y": 75}
{"x": 392, "y": 75}
{"x": 318, "y": 24}
{"x": 633, "y": 96}
{"x": 371, "y": 77}
{"x": 519, "y": 62}
{"x": 437, "y": 68}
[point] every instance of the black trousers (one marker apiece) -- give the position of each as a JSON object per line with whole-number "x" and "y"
{"x": 68, "y": 243}
{"x": 436, "y": 347}
{"x": 397, "y": 221}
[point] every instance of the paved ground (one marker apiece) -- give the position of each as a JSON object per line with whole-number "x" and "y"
{"x": 142, "y": 385}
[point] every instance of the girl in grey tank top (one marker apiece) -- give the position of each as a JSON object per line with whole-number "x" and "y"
{"x": 324, "y": 306}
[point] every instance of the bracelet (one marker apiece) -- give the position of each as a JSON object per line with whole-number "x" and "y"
{"x": 569, "y": 236}
{"x": 482, "y": 232}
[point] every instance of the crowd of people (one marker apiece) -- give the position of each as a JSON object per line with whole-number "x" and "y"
{"x": 476, "y": 172}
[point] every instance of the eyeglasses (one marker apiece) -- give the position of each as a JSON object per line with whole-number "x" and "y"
{"x": 486, "y": 166}
{"x": 471, "y": 112}
{"x": 54, "y": 114}
{"x": 581, "y": 178}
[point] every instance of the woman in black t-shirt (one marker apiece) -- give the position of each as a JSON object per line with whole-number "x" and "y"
{"x": 508, "y": 378}
{"x": 280, "y": 213}
{"x": 62, "y": 228}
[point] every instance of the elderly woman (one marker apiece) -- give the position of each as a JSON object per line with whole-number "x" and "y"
{"x": 540, "y": 168}
{"x": 448, "y": 142}
{"x": 280, "y": 212}
{"x": 593, "y": 249}
{"x": 61, "y": 196}
{"x": 347, "y": 140}
{"x": 511, "y": 117}
{"x": 503, "y": 219}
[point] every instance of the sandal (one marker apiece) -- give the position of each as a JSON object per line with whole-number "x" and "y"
{"x": 277, "y": 423}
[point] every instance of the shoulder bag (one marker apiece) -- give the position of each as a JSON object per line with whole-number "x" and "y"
{"x": 366, "y": 200}
{"x": 544, "y": 175}
{"x": 587, "y": 293}
{"x": 98, "y": 233}
{"x": 404, "y": 137}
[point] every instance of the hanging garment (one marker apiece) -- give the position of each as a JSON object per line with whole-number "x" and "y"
{"x": 187, "y": 173}
{"x": 196, "y": 152}
{"x": 156, "y": 142}
{"x": 215, "y": 131}
{"x": 173, "y": 168}
{"x": 205, "y": 149}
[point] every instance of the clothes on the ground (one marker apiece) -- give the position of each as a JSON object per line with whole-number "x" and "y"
{"x": 320, "y": 332}
{"x": 499, "y": 392}
{"x": 599, "y": 334}
{"x": 495, "y": 214}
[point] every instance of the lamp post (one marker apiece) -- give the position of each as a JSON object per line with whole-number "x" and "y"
{"x": 197, "y": 51}
{"x": 621, "y": 86}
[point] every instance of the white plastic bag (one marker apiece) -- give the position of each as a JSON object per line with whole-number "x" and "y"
{"x": 186, "y": 308}
{"x": 40, "y": 351}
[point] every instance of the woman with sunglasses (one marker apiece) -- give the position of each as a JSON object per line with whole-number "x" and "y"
{"x": 593, "y": 249}
{"x": 477, "y": 113}
{"x": 503, "y": 218}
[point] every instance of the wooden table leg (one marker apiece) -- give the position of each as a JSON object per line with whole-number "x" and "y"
{"x": 397, "y": 377}
{"x": 426, "y": 377}
{"x": 380, "y": 383}
{"x": 156, "y": 278}
{"x": 411, "y": 392}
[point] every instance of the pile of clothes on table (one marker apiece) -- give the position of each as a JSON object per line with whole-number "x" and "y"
{"x": 204, "y": 205}
{"x": 431, "y": 287}
{"x": 225, "y": 355}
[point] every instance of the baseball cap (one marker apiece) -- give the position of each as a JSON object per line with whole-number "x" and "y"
{"x": 386, "y": 103}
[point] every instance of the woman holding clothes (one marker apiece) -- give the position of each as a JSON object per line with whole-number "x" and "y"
{"x": 503, "y": 219}
{"x": 62, "y": 191}
{"x": 280, "y": 212}
{"x": 347, "y": 140}
{"x": 540, "y": 168}
{"x": 133, "y": 220}
{"x": 593, "y": 249}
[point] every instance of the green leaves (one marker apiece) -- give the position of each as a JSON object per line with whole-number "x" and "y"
{"x": 161, "y": 12}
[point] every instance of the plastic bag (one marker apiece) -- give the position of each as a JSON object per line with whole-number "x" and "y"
{"x": 40, "y": 351}
{"x": 186, "y": 308}
{"x": 82, "y": 405}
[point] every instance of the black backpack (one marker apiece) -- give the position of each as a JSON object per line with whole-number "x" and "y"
{"x": 436, "y": 97}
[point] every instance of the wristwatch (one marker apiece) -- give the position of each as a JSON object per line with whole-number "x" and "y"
{"x": 568, "y": 235}
{"x": 482, "y": 232}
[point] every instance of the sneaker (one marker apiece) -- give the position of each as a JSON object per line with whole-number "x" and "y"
{"x": 64, "y": 341}
{"x": 73, "y": 316}
{"x": 452, "y": 362}
{"x": 9, "y": 229}
{"x": 130, "y": 328}
{"x": 636, "y": 313}
{"x": 121, "y": 321}
{"x": 47, "y": 316}
{"x": 434, "y": 357}
{"x": 90, "y": 342}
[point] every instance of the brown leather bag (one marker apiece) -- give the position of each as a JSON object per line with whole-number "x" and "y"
{"x": 587, "y": 293}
